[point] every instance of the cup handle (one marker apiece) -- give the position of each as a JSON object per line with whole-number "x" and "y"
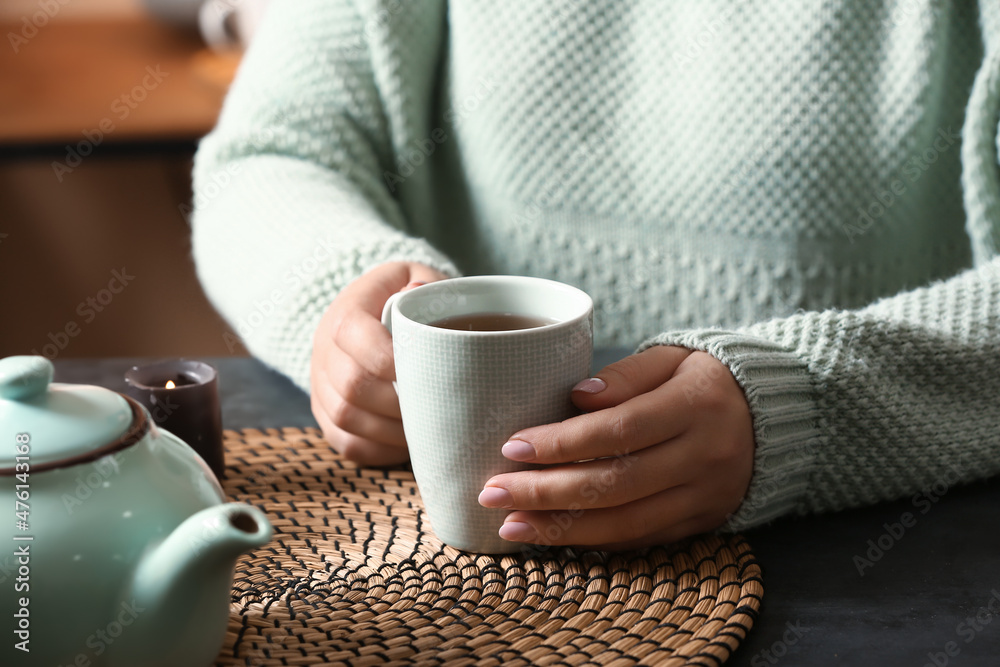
{"x": 387, "y": 323}
{"x": 387, "y": 311}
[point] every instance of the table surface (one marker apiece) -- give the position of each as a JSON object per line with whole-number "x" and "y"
{"x": 89, "y": 80}
{"x": 921, "y": 599}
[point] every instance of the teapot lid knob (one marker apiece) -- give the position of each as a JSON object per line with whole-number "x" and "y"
{"x": 24, "y": 376}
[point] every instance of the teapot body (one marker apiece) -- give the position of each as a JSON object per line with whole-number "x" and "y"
{"x": 70, "y": 554}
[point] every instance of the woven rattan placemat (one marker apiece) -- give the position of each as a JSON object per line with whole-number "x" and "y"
{"x": 354, "y": 576}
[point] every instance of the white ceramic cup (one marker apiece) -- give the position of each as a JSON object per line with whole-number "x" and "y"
{"x": 464, "y": 393}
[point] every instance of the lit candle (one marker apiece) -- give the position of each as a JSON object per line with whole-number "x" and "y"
{"x": 183, "y": 397}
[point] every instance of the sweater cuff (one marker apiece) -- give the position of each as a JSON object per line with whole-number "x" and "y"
{"x": 786, "y": 420}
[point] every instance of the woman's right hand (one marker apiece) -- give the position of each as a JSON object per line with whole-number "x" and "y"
{"x": 352, "y": 367}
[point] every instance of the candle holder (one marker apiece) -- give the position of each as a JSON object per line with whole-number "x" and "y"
{"x": 182, "y": 397}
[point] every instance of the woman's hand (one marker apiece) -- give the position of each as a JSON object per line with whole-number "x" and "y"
{"x": 352, "y": 367}
{"x": 665, "y": 451}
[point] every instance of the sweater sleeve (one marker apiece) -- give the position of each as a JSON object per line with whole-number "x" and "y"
{"x": 855, "y": 407}
{"x": 290, "y": 199}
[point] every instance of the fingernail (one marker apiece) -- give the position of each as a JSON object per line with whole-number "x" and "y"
{"x": 518, "y": 450}
{"x": 517, "y": 531}
{"x": 494, "y": 496}
{"x": 411, "y": 285}
{"x": 591, "y": 386}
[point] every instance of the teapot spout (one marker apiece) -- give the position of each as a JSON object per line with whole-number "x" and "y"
{"x": 181, "y": 589}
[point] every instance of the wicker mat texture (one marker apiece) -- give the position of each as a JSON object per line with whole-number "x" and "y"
{"x": 354, "y": 576}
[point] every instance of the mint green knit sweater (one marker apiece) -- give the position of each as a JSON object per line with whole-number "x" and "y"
{"x": 810, "y": 192}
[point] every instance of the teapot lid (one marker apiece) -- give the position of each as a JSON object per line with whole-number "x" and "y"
{"x": 63, "y": 424}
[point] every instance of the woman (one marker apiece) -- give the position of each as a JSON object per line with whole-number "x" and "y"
{"x": 794, "y": 213}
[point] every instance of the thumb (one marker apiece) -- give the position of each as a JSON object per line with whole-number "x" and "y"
{"x": 634, "y": 375}
{"x": 373, "y": 289}
{"x": 423, "y": 274}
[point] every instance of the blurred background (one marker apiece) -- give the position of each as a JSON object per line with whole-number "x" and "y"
{"x": 102, "y": 103}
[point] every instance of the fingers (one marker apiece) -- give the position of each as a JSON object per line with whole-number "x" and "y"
{"x": 352, "y": 367}
{"x": 364, "y": 340}
{"x": 638, "y": 423}
{"x": 688, "y": 482}
{"x": 356, "y": 420}
{"x": 359, "y": 332}
{"x": 634, "y": 408}
{"x": 664, "y": 517}
{"x": 358, "y": 387}
{"x": 370, "y": 292}
{"x": 607, "y": 482}
{"x": 630, "y": 377}
{"x": 362, "y": 451}
{"x": 421, "y": 273}
{"x": 373, "y": 289}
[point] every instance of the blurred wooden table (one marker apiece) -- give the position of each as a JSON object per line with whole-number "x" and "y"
{"x": 123, "y": 79}
{"x": 99, "y": 119}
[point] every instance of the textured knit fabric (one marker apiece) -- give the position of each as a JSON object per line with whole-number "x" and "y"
{"x": 810, "y": 192}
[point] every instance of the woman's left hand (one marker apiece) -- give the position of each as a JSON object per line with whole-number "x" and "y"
{"x": 665, "y": 450}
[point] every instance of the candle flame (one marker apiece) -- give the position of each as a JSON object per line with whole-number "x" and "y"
{"x": 170, "y": 384}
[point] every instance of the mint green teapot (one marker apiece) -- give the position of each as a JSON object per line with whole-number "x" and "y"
{"x": 117, "y": 547}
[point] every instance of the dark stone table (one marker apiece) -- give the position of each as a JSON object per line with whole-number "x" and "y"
{"x": 913, "y": 582}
